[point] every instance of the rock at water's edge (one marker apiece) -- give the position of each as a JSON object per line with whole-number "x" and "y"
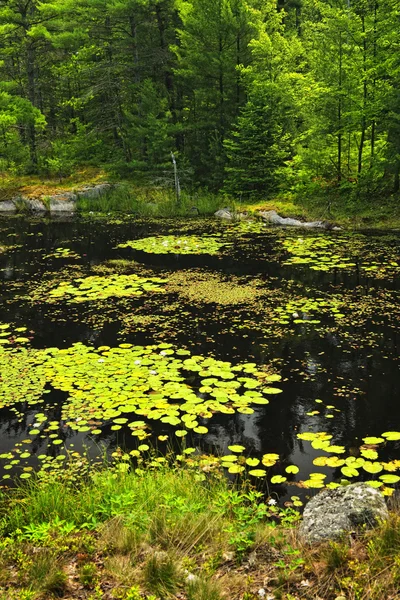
{"x": 272, "y": 217}
{"x": 35, "y": 205}
{"x": 331, "y": 513}
{"x": 63, "y": 203}
{"x": 94, "y": 192}
{"x": 224, "y": 213}
{"x": 8, "y": 206}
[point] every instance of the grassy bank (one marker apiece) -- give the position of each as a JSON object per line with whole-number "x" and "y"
{"x": 176, "y": 532}
{"x": 341, "y": 207}
{"x": 33, "y": 186}
{"x": 154, "y": 202}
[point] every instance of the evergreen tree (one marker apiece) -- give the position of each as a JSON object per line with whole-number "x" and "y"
{"x": 248, "y": 94}
{"x": 258, "y": 147}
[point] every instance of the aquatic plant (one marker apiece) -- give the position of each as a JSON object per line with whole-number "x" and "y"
{"x": 171, "y": 244}
{"x": 323, "y": 253}
{"x": 200, "y": 287}
{"x": 317, "y": 252}
{"x": 130, "y": 386}
{"x": 302, "y": 310}
{"x": 62, "y": 253}
{"x": 96, "y": 287}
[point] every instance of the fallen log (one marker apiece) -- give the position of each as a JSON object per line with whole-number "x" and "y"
{"x": 271, "y": 216}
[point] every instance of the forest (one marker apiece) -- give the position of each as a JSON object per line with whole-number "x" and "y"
{"x": 199, "y": 299}
{"x": 253, "y": 97}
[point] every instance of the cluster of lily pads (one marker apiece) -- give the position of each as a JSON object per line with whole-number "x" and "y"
{"x": 352, "y": 466}
{"x": 155, "y": 382}
{"x": 62, "y": 253}
{"x": 321, "y": 253}
{"x": 172, "y": 244}
{"x": 95, "y": 287}
{"x": 11, "y": 335}
{"x": 250, "y": 226}
{"x": 130, "y": 386}
{"x": 301, "y": 310}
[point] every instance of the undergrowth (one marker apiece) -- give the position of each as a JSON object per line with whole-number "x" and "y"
{"x": 349, "y": 207}
{"x": 152, "y": 202}
{"x": 174, "y": 532}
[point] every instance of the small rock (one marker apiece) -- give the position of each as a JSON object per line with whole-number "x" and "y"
{"x": 331, "y": 513}
{"x": 252, "y": 559}
{"x": 228, "y": 556}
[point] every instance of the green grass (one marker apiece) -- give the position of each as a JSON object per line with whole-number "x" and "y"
{"x": 158, "y": 518}
{"x": 314, "y": 201}
{"x": 173, "y": 532}
{"x": 152, "y": 202}
{"x": 368, "y": 211}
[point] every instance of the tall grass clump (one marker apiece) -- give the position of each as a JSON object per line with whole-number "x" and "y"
{"x": 153, "y": 202}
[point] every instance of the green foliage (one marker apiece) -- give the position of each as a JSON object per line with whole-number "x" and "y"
{"x": 249, "y": 98}
{"x": 258, "y": 148}
{"x": 336, "y": 556}
{"x": 190, "y": 244}
{"x": 88, "y": 575}
{"x": 152, "y": 202}
{"x": 247, "y": 511}
{"x": 203, "y": 589}
{"x": 161, "y": 575}
{"x": 188, "y": 554}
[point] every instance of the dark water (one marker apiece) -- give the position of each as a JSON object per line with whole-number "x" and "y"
{"x": 351, "y": 364}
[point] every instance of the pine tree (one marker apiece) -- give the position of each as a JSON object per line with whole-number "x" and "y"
{"x": 258, "y": 147}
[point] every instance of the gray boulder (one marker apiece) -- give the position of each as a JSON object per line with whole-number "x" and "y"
{"x": 65, "y": 203}
{"x": 96, "y": 191}
{"x": 224, "y": 213}
{"x": 35, "y": 205}
{"x": 331, "y": 513}
{"x": 8, "y": 206}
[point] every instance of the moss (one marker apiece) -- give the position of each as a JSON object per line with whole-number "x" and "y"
{"x": 213, "y": 288}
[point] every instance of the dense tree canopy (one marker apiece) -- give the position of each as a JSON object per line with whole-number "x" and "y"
{"x": 250, "y": 95}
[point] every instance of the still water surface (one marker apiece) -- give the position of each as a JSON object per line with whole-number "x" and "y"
{"x": 350, "y": 362}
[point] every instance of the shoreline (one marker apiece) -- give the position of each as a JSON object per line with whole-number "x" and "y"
{"x": 91, "y": 192}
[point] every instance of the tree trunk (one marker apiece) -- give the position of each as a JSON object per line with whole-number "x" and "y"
{"x": 365, "y": 93}
{"x": 135, "y": 51}
{"x": 30, "y": 69}
{"x": 339, "y": 136}
{"x": 396, "y": 183}
{"x": 168, "y": 77}
{"x": 373, "y": 124}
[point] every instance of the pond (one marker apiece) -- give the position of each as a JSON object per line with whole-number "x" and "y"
{"x": 272, "y": 352}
